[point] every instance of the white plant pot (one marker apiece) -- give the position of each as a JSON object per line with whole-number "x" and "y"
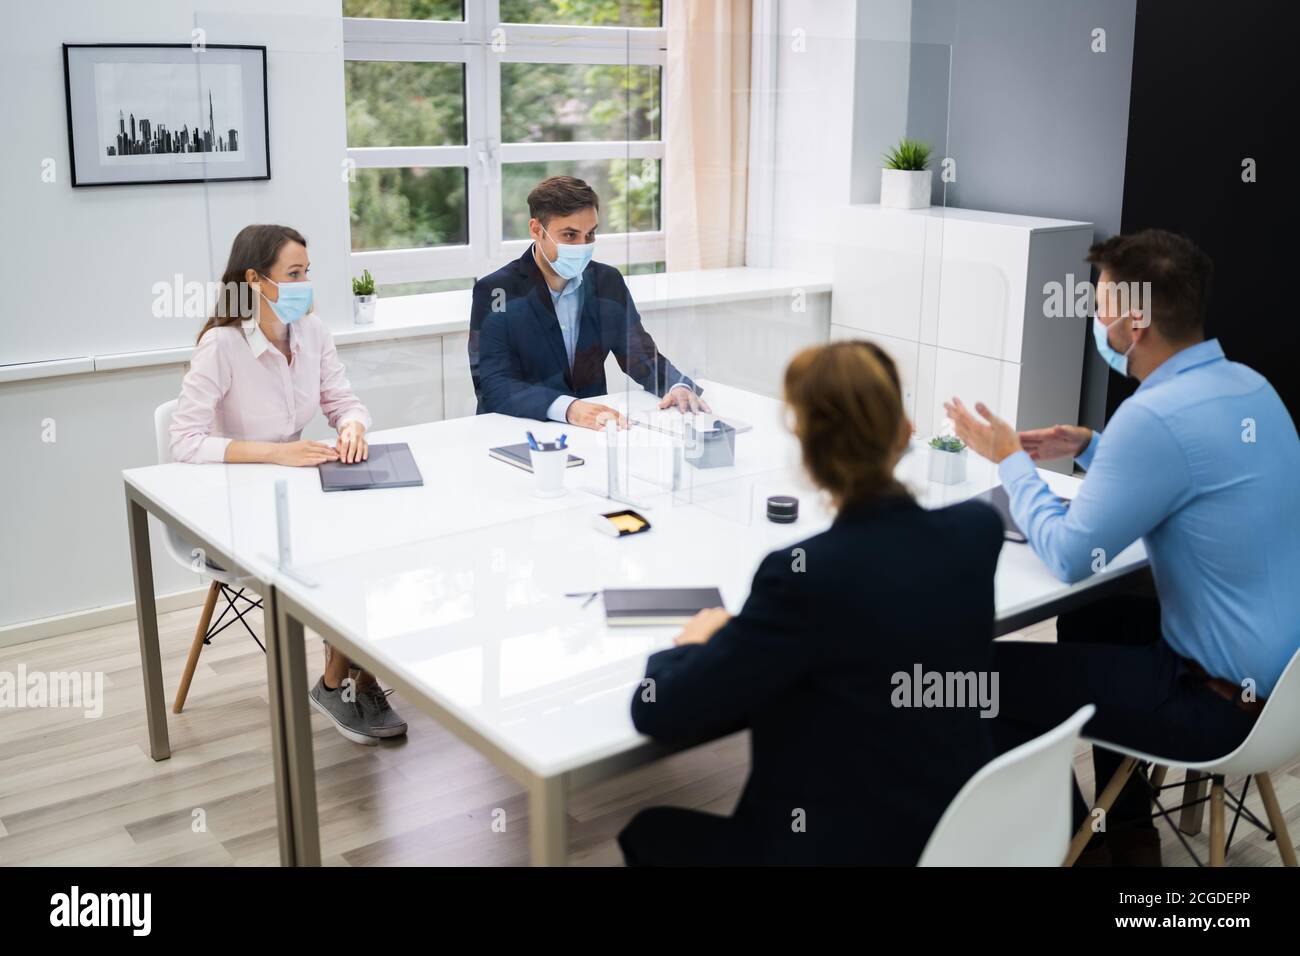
{"x": 363, "y": 309}
{"x": 905, "y": 188}
{"x": 947, "y": 467}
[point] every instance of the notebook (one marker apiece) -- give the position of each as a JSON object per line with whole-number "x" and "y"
{"x": 657, "y": 606}
{"x": 517, "y": 455}
{"x": 388, "y": 466}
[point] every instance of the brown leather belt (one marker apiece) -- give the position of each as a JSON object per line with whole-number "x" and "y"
{"x": 1224, "y": 688}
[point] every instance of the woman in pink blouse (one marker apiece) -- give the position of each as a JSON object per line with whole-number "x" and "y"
{"x": 263, "y": 365}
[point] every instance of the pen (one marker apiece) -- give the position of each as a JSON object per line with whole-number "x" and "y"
{"x": 532, "y": 442}
{"x": 562, "y": 441}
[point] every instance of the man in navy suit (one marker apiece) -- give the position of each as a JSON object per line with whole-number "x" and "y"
{"x": 542, "y": 326}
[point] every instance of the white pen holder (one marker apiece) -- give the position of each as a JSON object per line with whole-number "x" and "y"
{"x": 550, "y": 462}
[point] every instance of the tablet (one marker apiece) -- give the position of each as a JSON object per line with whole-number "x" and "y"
{"x": 388, "y": 466}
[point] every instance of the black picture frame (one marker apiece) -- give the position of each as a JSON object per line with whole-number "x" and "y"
{"x": 264, "y": 155}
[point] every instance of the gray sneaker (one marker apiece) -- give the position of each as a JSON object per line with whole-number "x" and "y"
{"x": 380, "y": 718}
{"x": 348, "y": 716}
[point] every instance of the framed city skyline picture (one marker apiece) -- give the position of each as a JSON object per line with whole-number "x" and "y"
{"x": 166, "y": 113}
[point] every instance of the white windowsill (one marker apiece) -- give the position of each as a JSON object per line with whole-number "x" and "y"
{"x": 447, "y": 313}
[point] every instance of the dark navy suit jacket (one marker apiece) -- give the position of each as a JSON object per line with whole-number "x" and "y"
{"x": 808, "y": 665}
{"x": 516, "y": 349}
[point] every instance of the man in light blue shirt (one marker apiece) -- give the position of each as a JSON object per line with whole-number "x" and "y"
{"x": 1203, "y": 464}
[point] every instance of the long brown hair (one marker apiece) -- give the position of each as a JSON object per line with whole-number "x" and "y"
{"x": 848, "y": 411}
{"x": 256, "y": 247}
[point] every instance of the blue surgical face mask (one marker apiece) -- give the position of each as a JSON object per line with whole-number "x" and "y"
{"x": 294, "y": 300}
{"x": 570, "y": 260}
{"x": 1115, "y": 359}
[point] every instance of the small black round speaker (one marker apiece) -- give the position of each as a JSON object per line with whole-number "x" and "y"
{"x": 783, "y": 509}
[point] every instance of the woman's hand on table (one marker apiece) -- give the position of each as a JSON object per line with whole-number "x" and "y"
{"x": 352, "y": 446}
{"x": 304, "y": 453}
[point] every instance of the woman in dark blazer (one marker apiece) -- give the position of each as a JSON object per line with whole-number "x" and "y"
{"x": 847, "y": 763}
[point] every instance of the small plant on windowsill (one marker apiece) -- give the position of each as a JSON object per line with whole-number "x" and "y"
{"x": 947, "y": 460}
{"x": 363, "y": 298}
{"x": 905, "y": 178}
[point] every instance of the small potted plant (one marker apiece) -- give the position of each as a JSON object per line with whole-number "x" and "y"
{"x": 947, "y": 460}
{"x": 905, "y": 180}
{"x": 363, "y": 299}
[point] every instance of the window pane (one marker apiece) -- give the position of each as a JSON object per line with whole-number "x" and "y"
{"x": 562, "y": 102}
{"x": 405, "y": 104}
{"x": 396, "y": 289}
{"x": 628, "y": 191}
{"x": 593, "y": 13}
{"x": 405, "y": 9}
{"x": 409, "y": 208}
{"x": 643, "y": 268}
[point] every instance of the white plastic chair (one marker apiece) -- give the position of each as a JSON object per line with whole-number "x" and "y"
{"x": 1016, "y": 810}
{"x": 1273, "y": 742}
{"x": 223, "y": 583}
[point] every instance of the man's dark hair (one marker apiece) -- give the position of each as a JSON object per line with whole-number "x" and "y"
{"x": 1178, "y": 271}
{"x": 560, "y": 196}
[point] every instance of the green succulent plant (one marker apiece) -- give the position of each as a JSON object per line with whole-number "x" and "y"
{"x": 946, "y": 443}
{"x": 909, "y": 154}
{"x": 365, "y": 285}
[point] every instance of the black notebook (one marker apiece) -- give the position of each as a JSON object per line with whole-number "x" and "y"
{"x": 517, "y": 455}
{"x": 657, "y": 606}
{"x": 388, "y": 466}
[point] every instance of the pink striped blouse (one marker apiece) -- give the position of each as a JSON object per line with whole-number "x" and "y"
{"x": 240, "y": 386}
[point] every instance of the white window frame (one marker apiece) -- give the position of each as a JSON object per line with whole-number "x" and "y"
{"x": 483, "y": 43}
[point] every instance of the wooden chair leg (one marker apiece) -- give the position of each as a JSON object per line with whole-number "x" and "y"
{"x": 1104, "y": 802}
{"x": 1158, "y": 774}
{"x": 196, "y": 648}
{"x": 1275, "y": 818}
{"x": 1217, "y": 835}
{"x": 1192, "y": 817}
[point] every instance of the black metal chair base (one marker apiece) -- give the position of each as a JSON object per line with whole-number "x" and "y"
{"x": 231, "y": 596}
{"x": 1238, "y": 801}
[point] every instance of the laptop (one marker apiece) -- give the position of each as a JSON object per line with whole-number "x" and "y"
{"x": 388, "y": 466}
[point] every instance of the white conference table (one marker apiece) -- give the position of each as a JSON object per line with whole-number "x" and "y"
{"x": 455, "y": 592}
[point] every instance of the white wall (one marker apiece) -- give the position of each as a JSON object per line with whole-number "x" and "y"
{"x": 78, "y": 266}
{"x": 882, "y": 89}
{"x": 819, "y": 50}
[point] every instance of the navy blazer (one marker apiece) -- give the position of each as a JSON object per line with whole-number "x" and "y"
{"x": 516, "y": 349}
{"x": 809, "y": 663}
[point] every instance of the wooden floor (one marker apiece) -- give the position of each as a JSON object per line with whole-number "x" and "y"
{"x": 81, "y": 791}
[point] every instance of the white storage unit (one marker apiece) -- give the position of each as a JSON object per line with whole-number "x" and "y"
{"x": 957, "y": 297}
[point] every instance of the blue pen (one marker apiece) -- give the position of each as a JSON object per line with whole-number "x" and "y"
{"x": 562, "y": 441}
{"x": 532, "y": 442}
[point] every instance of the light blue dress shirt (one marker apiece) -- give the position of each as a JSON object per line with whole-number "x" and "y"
{"x": 1202, "y": 463}
{"x": 568, "y": 307}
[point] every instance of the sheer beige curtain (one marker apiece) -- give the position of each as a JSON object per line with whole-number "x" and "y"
{"x": 706, "y": 130}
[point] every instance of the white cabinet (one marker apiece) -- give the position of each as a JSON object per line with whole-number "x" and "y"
{"x": 959, "y": 298}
